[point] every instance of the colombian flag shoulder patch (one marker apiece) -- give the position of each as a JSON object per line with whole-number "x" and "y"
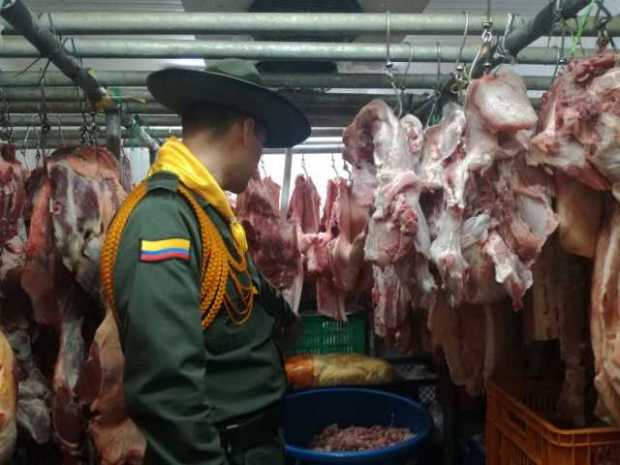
{"x": 166, "y": 249}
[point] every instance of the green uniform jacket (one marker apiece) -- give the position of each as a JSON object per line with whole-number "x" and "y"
{"x": 181, "y": 380}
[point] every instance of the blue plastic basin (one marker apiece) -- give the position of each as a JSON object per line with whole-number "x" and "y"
{"x": 307, "y": 413}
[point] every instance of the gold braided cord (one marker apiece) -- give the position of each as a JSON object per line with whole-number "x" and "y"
{"x": 217, "y": 263}
{"x": 111, "y": 242}
{"x": 220, "y": 266}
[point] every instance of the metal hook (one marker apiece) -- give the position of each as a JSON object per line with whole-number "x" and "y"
{"x": 345, "y": 167}
{"x": 7, "y": 129}
{"x": 303, "y": 165}
{"x": 263, "y": 168}
{"x": 388, "y": 39}
{"x": 459, "y": 58}
{"x": 334, "y": 165}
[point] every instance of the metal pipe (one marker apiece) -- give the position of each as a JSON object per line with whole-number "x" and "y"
{"x": 44, "y": 43}
{"x": 328, "y": 106}
{"x": 113, "y": 131}
{"x": 295, "y": 51}
{"x": 156, "y": 123}
{"x": 286, "y": 183}
{"x": 133, "y": 134}
{"x": 518, "y": 38}
{"x": 338, "y": 24}
{"x": 11, "y": 82}
{"x": 305, "y": 149}
{"x": 133, "y": 126}
{"x": 529, "y": 30}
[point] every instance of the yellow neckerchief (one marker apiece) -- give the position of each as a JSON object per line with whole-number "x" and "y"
{"x": 176, "y": 158}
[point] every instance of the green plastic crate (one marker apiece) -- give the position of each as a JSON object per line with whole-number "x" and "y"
{"x": 323, "y": 335}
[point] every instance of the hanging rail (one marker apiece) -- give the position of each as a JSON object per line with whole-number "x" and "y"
{"x": 339, "y": 24}
{"x": 9, "y": 80}
{"x": 293, "y": 51}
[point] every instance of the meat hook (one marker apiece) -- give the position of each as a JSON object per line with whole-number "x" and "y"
{"x": 303, "y": 165}
{"x": 334, "y": 165}
{"x": 389, "y": 64}
{"x": 7, "y": 129}
{"x": 262, "y": 167}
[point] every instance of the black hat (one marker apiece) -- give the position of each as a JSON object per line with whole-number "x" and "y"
{"x": 236, "y": 84}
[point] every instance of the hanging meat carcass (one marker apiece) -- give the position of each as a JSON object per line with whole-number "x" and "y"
{"x": 335, "y": 256}
{"x": 383, "y": 151}
{"x": 604, "y": 321}
{"x": 489, "y": 216}
{"x": 72, "y": 199}
{"x": 12, "y": 231}
{"x": 273, "y": 240}
{"x": 579, "y": 130}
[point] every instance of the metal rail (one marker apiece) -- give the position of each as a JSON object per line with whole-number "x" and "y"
{"x": 12, "y": 81}
{"x": 338, "y": 24}
{"x": 292, "y": 51}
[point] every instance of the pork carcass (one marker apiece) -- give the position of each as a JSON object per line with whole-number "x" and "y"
{"x": 335, "y": 257}
{"x": 604, "y": 318}
{"x": 580, "y": 211}
{"x": 272, "y": 239}
{"x": 398, "y": 233}
{"x": 477, "y": 341}
{"x": 304, "y": 210}
{"x": 12, "y": 230}
{"x": 579, "y": 130}
{"x": 489, "y": 215}
{"x": 8, "y": 401}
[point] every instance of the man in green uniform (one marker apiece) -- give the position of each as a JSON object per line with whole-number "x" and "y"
{"x": 203, "y": 376}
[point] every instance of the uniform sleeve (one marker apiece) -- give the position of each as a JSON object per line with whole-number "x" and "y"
{"x": 162, "y": 336}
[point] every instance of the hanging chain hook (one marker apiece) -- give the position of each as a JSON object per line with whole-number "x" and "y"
{"x": 460, "y": 80}
{"x": 303, "y": 165}
{"x": 389, "y": 64}
{"x": 43, "y": 117}
{"x": 7, "y": 128}
{"x": 334, "y": 165}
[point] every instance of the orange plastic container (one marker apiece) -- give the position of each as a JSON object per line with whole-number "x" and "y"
{"x": 518, "y": 431}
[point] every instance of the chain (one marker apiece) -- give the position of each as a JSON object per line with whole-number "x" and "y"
{"x": 7, "y": 127}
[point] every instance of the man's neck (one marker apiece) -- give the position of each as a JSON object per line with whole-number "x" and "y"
{"x": 210, "y": 154}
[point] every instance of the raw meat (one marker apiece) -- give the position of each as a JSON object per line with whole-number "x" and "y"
{"x": 272, "y": 239}
{"x": 604, "y": 317}
{"x": 8, "y": 395}
{"x": 385, "y": 154}
{"x": 12, "y": 194}
{"x": 357, "y": 438}
{"x": 305, "y": 204}
{"x": 34, "y": 393}
{"x": 100, "y": 388}
{"x": 40, "y": 277}
{"x": 580, "y": 210}
{"x": 489, "y": 215}
{"x": 478, "y": 342}
{"x": 86, "y": 192}
{"x": 335, "y": 257}
{"x": 12, "y": 231}
{"x": 579, "y": 131}
{"x": 71, "y": 201}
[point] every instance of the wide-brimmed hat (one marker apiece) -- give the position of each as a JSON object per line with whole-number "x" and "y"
{"x": 236, "y": 84}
